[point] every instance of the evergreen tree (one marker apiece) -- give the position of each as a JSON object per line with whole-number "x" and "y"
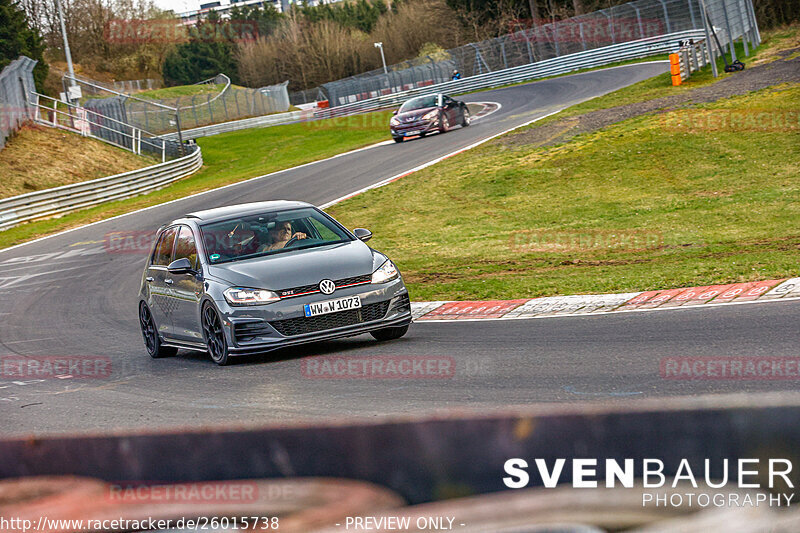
{"x": 209, "y": 52}
{"x": 18, "y": 38}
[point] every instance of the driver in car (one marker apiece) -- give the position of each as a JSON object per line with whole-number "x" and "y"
{"x": 280, "y": 235}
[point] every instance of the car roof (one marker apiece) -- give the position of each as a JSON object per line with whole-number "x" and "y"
{"x": 230, "y": 211}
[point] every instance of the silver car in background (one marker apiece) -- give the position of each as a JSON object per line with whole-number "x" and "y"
{"x": 257, "y": 277}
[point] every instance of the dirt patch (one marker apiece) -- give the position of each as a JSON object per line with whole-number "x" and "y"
{"x": 785, "y": 70}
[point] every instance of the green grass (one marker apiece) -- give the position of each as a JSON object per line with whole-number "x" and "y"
{"x": 724, "y": 203}
{"x": 661, "y": 85}
{"x": 233, "y": 157}
{"x": 181, "y": 90}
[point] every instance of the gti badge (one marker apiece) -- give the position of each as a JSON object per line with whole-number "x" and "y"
{"x": 326, "y": 286}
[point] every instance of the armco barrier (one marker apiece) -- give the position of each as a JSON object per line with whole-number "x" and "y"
{"x": 560, "y": 65}
{"x": 597, "y": 57}
{"x": 243, "y": 124}
{"x": 61, "y": 200}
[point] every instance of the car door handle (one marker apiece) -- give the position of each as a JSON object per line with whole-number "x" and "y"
{"x": 149, "y": 279}
{"x": 168, "y": 281}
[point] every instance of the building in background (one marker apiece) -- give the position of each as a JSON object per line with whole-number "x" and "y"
{"x": 223, "y": 7}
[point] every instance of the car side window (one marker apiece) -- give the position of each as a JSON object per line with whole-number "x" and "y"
{"x": 185, "y": 246}
{"x": 163, "y": 252}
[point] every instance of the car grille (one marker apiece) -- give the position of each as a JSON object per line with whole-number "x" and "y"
{"x": 411, "y": 126}
{"x": 402, "y": 304}
{"x": 250, "y": 330}
{"x": 310, "y": 289}
{"x": 351, "y": 317}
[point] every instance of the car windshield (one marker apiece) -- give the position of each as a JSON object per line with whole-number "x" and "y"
{"x": 269, "y": 233}
{"x": 420, "y": 102}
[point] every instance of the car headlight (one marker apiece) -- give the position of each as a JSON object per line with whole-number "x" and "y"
{"x": 386, "y": 272}
{"x": 431, "y": 115}
{"x": 240, "y": 296}
{"x": 394, "y": 122}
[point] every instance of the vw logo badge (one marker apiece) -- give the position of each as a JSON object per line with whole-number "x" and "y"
{"x": 326, "y": 286}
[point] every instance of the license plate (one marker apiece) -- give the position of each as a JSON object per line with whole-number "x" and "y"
{"x": 411, "y": 133}
{"x": 332, "y": 306}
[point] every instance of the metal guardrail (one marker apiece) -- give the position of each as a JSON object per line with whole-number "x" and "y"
{"x": 88, "y": 123}
{"x": 560, "y": 65}
{"x": 597, "y": 57}
{"x": 243, "y": 124}
{"x": 688, "y": 59}
{"x": 60, "y": 200}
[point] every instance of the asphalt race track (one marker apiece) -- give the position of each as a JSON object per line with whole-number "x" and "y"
{"x": 67, "y": 295}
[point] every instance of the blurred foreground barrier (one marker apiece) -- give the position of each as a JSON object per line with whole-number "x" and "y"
{"x": 428, "y": 458}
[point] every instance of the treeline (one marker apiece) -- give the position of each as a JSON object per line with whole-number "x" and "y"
{"x": 18, "y": 37}
{"x": 319, "y": 48}
{"x": 87, "y": 23}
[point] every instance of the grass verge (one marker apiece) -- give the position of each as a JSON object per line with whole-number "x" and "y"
{"x": 233, "y": 157}
{"x": 652, "y": 202}
{"x": 772, "y": 42}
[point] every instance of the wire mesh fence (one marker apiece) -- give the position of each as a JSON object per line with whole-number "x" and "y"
{"x": 16, "y": 82}
{"x": 122, "y": 86}
{"x": 89, "y": 123}
{"x": 166, "y": 115}
{"x": 528, "y": 44}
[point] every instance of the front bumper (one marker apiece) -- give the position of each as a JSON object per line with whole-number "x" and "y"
{"x": 411, "y": 129}
{"x": 281, "y": 324}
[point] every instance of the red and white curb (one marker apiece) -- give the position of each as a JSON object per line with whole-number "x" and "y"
{"x": 591, "y": 304}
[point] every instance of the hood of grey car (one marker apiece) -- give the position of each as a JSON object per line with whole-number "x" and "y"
{"x": 301, "y": 267}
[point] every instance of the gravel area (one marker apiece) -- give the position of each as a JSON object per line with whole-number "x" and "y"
{"x": 780, "y": 71}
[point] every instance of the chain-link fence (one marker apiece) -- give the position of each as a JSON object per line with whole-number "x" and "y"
{"x": 16, "y": 82}
{"x": 90, "y": 123}
{"x": 167, "y": 115}
{"x": 123, "y": 86}
{"x": 642, "y": 19}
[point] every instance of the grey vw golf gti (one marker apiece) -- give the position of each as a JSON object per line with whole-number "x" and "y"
{"x": 261, "y": 276}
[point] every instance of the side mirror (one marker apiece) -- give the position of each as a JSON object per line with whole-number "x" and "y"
{"x": 395, "y": 111}
{"x": 363, "y": 234}
{"x": 180, "y": 266}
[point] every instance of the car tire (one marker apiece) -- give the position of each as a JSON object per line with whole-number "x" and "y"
{"x": 152, "y": 341}
{"x": 465, "y": 121}
{"x": 444, "y": 123}
{"x": 214, "y": 335}
{"x": 398, "y": 139}
{"x": 389, "y": 334}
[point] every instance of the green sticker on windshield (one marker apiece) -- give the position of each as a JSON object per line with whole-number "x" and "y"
{"x": 214, "y": 257}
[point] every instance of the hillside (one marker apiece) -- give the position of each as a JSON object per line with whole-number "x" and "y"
{"x": 38, "y": 157}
